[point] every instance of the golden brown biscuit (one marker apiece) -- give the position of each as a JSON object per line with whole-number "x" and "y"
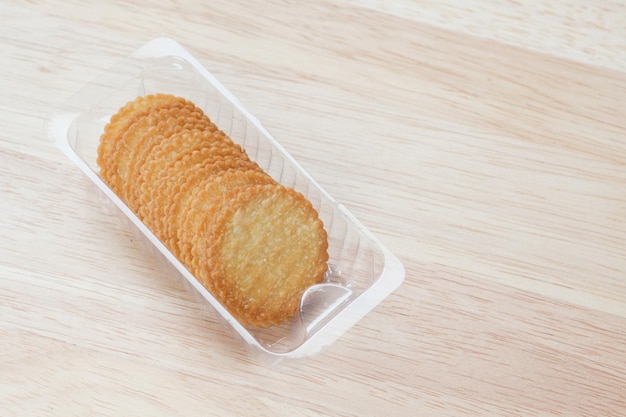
{"x": 202, "y": 197}
{"x": 159, "y": 155}
{"x": 187, "y": 184}
{"x": 164, "y": 125}
{"x": 113, "y": 140}
{"x": 253, "y": 243}
{"x": 157, "y": 189}
{"x": 258, "y": 250}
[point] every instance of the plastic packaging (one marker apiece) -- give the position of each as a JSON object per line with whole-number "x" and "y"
{"x": 362, "y": 272}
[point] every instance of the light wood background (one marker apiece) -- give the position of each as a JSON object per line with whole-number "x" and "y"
{"x": 484, "y": 142}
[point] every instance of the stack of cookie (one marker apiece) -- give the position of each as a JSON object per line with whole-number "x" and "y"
{"x": 253, "y": 243}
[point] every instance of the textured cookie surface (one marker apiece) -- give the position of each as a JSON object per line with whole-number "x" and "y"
{"x": 117, "y": 140}
{"x": 161, "y": 182}
{"x": 263, "y": 245}
{"x": 206, "y": 194}
{"x": 184, "y": 186}
{"x": 165, "y": 126}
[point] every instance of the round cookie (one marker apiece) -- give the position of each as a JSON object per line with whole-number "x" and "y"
{"x": 260, "y": 247}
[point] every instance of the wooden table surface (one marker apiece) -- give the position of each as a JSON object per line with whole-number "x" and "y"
{"x": 483, "y": 142}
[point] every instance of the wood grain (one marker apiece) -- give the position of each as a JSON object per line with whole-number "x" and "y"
{"x": 483, "y": 142}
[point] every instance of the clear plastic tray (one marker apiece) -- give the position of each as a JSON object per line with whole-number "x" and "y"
{"x": 362, "y": 272}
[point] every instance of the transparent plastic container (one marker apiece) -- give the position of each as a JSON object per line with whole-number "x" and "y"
{"x": 362, "y": 272}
